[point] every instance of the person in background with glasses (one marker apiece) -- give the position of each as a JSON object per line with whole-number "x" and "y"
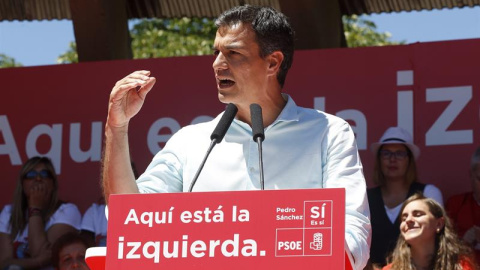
{"x": 395, "y": 174}
{"x": 35, "y": 219}
{"x": 464, "y": 209}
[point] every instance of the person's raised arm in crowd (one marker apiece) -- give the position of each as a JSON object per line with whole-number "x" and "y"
{"x": 35, "y": 219}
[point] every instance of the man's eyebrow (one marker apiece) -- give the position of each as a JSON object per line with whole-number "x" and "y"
{"x": 229, "y": 47}
{"x": 234, "y": 46}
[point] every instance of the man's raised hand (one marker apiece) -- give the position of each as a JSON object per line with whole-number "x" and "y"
{"x": 127, "y": 97}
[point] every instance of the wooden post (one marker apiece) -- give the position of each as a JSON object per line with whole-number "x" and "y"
{"x": 317, "y": 23}
{"x": 101, "y": 29}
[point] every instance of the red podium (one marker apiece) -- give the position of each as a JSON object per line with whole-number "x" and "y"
{"x": 271, "y": 229}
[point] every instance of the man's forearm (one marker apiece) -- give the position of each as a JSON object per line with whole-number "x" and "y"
{"x": 117, "y": 173}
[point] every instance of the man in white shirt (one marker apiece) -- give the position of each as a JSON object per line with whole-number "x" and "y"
{"x": 305, "y": 148}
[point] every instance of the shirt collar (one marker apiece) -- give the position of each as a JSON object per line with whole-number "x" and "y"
{"x": 288, "y": 114}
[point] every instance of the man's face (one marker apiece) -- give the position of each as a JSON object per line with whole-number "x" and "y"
{"x": 240, "y": 72}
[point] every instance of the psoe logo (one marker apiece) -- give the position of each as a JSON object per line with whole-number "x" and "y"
{"x": 318, "y": 213}
{"x": 317, "y": 243}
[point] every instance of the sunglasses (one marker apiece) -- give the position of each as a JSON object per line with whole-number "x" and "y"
{"x": 385, "y": 154}
{"x": 43, "y": 174}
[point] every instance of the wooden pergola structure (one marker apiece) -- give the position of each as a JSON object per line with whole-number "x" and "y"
{"x": 101, "y": 26}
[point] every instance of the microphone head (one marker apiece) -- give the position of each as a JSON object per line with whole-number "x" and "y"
{"x": 257, "y": 122}
{"x": 224, "y": 123}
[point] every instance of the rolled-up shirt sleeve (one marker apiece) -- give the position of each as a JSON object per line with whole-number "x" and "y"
{"x": 343, "y": 169}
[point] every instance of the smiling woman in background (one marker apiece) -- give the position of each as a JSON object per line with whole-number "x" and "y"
{"x": 428, "y": 240}
{"x": 36, "y": 219}
{"x": 395, "y": 175}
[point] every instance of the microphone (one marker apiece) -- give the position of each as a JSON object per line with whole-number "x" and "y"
{"x": 257, "y": 122}
{"x": 217, "y": 136}
{"x": 258, "y": 136}
{"x": 224, "y": 123}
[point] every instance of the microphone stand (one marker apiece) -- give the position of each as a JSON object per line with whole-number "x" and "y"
{"x": 212, "y": 144}
{"x": 217, "y": 136}
{"x": 258, "y": 136}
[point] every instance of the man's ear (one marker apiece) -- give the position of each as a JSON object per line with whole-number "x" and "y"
{"x": 275, "y": 60}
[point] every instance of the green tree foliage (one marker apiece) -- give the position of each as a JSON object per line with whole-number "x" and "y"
{"x": 172, "y": 37}
{"x": 194, "y": 36}
{"x": 164, "y": 38}
{"x": 360, "y": 32}
{"x": 6, "y": 61}
{"x": 69, "y": 56}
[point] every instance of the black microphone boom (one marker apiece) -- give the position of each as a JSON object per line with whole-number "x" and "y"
{"x": 217, "y": 136}
{"x": 258, "y": 136}
{"x": 257, "y": 122}
{"x": 224, "y": 123}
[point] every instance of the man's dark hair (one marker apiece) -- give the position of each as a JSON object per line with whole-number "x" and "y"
{"x": 272, "y": 30}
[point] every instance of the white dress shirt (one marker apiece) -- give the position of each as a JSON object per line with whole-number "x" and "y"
{"x": 303, "y": 148}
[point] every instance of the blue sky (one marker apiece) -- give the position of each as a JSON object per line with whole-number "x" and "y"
{"x": 41, "y": 42}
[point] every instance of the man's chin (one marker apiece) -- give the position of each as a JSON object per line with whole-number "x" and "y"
{"x": 224, "y": 98}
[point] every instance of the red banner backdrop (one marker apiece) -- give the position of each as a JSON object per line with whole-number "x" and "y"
{"x": 431, "y": 89}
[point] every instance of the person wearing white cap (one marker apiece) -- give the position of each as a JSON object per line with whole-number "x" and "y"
{"x": 395, "y": 174}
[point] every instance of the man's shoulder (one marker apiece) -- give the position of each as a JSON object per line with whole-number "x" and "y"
{"x": 319, "y": 115}
{"x": 206, "y": 126}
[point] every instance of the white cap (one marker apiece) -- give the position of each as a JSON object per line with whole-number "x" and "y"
{"x": 395, "y": 135}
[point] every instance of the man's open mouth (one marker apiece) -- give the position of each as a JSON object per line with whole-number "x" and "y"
{"x": 224, "y": 83}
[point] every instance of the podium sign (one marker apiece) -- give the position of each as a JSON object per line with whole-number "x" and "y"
{"x": 273, "y": 229}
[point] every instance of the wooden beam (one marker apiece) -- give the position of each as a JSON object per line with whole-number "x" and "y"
{"x": 101, "y": 29}
{"x": 317, "y": 23}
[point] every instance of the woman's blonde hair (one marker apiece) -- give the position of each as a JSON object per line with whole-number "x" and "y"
{"x": 19, "y": 217}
